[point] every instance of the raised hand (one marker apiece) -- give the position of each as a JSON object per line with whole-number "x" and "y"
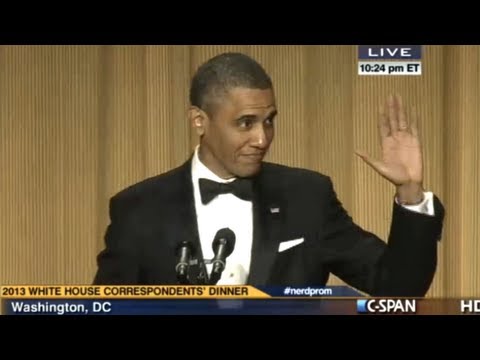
{"x": 401, "y": 161}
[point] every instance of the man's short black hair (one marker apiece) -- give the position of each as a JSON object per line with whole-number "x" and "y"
{"x": 224, "y": 72}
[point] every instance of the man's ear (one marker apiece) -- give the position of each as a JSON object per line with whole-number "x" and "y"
{"x": 198, "y": 119}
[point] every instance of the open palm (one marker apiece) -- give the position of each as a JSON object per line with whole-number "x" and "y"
{"x": 401, "y": 149}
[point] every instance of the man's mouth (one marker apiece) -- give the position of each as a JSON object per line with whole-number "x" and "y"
{"x": 255, "y": 156}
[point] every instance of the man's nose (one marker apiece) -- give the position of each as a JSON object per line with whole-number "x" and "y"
{"x": 259, "y": 137}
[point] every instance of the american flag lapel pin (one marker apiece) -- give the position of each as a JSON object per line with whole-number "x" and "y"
{"x": 275, "y": 210}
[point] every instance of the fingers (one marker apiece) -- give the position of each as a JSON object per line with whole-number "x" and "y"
{"x": 377, "y": 165}
{"x": 402, "y": 118}
{"x": 396, "y": 117}
{"x": 414, "y": 122}
{"x": 392, "y": 114}
{"x": 383, "y": 125}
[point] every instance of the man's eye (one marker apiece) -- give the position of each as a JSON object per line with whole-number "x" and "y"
{"x": 269, "y": 122}
{"x": 246, "y": 123}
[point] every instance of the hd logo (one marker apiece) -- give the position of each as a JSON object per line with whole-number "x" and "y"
{"x": 386, "y": 306}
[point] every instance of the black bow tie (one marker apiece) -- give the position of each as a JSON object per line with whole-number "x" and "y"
{"x": 241, "y": 188}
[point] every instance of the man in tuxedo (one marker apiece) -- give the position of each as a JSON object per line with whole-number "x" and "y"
{"x": 289, "y": 226}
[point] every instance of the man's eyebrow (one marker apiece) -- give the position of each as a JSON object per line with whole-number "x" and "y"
{"x": 255, "y": 117}
{"x": 246, "y": 117}
{"x": 272, "y": 114}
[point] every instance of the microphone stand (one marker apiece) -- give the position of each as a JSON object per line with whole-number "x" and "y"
{"x": 202, "y": 277}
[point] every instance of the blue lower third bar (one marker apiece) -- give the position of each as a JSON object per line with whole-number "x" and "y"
{"x": 179, "y": 307}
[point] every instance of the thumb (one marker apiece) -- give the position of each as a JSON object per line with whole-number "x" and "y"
{"x": 377, "y": 165}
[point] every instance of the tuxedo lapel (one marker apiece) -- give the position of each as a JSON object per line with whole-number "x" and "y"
{"x": 268, "y": 221}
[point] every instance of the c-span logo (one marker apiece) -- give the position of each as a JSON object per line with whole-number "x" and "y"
{"x": 389, "y": 60}
{"x": 386, "y": 306}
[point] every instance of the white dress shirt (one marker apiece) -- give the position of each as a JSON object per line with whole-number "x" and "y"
{"x": 225, "y": 211}
{"x": 228, "y": 211}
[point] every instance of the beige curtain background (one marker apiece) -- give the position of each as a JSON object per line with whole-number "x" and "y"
{"x": 79, "y": 123}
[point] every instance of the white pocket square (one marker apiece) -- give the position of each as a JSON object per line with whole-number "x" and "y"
{"x": 289, "y": 244}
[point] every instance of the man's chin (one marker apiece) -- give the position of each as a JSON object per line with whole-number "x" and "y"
{"x": 249, "y": 171}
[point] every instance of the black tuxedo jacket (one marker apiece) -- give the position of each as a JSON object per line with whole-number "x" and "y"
{"x": 150, "y": 218}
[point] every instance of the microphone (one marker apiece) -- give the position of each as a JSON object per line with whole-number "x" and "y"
{"x": 184, "y": 251}
{"x": 222, "y": 245}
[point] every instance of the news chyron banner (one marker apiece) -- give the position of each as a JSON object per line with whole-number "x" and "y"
{"x": 207, "y": 300}
{"x": 151, "y": 300}
{"x": 389, "y": 60}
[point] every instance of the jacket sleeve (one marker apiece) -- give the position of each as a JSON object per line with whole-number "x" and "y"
{"x": 405, "y": 265}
